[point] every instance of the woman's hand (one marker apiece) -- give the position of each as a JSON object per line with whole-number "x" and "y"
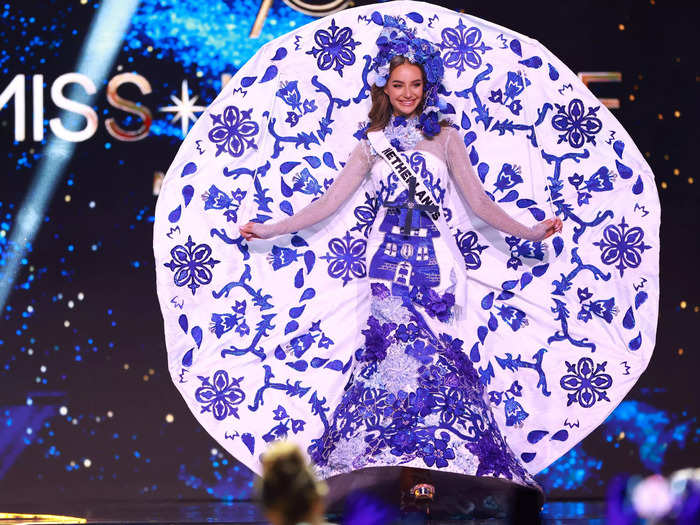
{"x": 546, "y": 228}
{"x": 255, "y": 230}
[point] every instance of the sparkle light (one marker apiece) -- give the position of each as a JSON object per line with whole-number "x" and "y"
{"x": 169, "y": 418}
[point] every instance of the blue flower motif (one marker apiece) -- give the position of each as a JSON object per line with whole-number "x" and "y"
{"x": 508, "y": 177}
{"x": 309, "y": 106}
{"x": 280, "y": 257}
{"x": 233, "y": 131}
{"x": 190, "y": 263}
{"x": 516, "y": 389}
{"x": 515, "y": 84}
{"x": 469, "y": 246}
{"x": 335, "y": 48}
{"x": 243, "y": 329}
{"x": 380, "y": 290}
{"x": 421, "y": 402}
{"x": 601, "y": 180}
{"x": 421, "y": 351}
{"x": 462, "y": 47}
{"x": 439, "y": 306}
{"x": 289, "y": 92}
{"x": 215, "y": 199}
{"x": 604, "y": 308}
{"x": 306, "y": 183}
{"x": 520, "y": 248}
{"x": 325, "y": 341}
{"x": 298, "y": 425}
{"x": 279, "y": 413}
{"x": 622, "y": 245}
{"x": 437, "y": 453}
{"x": 220, "y": 396}
{"x": 515, "y": 414}
{"x": 514, "y": 317}
{"x": 347, "y": 258}
{"x": 403, "y": 442}
{"x": 588, "y": 384}
{"x": 292, "y": 118}
{"x": 407, "y": 332}
{"x": 578, "y": 127}
{"x": 222, "y": 323}
{"x": 377, "y": 339}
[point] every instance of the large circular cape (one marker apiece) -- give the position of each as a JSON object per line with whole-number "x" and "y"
{"x": 261, "y": 336}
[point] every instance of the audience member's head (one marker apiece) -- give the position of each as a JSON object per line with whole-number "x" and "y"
{"x": 289, "y": 491}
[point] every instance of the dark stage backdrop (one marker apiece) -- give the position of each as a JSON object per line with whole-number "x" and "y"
{"x": 87, "y": 408}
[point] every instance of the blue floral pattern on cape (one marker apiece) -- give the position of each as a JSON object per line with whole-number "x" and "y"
{"x": 477, "y": 352}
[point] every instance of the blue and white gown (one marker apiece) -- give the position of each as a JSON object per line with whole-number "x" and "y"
{"x": 264, "y": 337}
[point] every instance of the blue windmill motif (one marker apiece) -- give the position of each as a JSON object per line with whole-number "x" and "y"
{"x": 406, "y": 256}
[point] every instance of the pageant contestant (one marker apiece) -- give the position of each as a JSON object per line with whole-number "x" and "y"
{"x": 349, "y": 256}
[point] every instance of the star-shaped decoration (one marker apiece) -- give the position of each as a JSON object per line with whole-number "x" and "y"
{"x": 184, "y": 108}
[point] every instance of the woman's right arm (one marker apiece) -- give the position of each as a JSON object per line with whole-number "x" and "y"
{"x": 345, "y": 184}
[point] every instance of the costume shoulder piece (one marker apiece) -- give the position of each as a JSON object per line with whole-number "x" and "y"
{"x": 261, "y": 337}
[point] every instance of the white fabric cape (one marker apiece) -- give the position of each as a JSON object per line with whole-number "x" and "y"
{"x": 261, "y": 335}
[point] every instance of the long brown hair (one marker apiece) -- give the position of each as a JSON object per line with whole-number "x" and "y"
{"x": 381, "y": 110}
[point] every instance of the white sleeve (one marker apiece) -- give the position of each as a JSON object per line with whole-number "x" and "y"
{"x": 344, "y": 185}
{"x": 473, "y": 191}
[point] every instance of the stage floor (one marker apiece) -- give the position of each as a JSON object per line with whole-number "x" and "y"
{"x": 193, "y": 512}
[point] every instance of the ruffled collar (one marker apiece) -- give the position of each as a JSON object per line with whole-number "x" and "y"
{"x": 403, "y": 133}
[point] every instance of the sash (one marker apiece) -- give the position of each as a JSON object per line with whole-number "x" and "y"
{"x": 403, "y": 172}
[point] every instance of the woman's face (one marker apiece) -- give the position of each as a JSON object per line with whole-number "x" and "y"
{"x": 405, "y": 89}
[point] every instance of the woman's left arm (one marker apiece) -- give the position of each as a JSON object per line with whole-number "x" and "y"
{"x": 473, "y": 191}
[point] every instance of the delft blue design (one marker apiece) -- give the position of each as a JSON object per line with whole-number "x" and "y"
{"x": 305, "y": 182}
{"x": 215, "y": 199}
{"x": 508, "y": 177}
{"x": 284, "y": 425}
{"x": 468, "y": 244}
{"x": 289, "y": 93}
{"x": 406, "y": 256}
{"x": 587, "y": 381}
{"x": 603, "y": 308}
{"x": 365, "y": 214}
{"x": 578, "y": 125}
{"x": 189, "y": 262}
{"x": 402, "y": 133}
{"x": 415, "y": 392}
{"x": 512, "y": 316}
{"x": 515, "y": 85}
{"x": 335, "y": 48}
{"x": 601, "y": 180}
{"x": 222, "y": 323}
{"x": 622, "y": 245}
{"x": 346, "y": 258}
{"x": 233, "y": 131}
{"x": 221, "y": 395}
{"x": 462, "y": 47}
{"x": 520, "y": 248}
{"x": 279, "y": 256}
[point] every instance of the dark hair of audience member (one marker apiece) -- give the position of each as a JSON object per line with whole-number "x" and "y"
{"x": 289, "y": 490}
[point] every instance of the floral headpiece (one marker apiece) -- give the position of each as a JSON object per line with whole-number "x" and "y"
{"x": 396, "y": 39}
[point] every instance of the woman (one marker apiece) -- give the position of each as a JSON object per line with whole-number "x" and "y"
{"x": 373, "y": 334}
{"x": 436, "y": 402}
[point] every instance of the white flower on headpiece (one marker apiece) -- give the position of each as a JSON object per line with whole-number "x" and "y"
{"x": 383, "y": 71}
